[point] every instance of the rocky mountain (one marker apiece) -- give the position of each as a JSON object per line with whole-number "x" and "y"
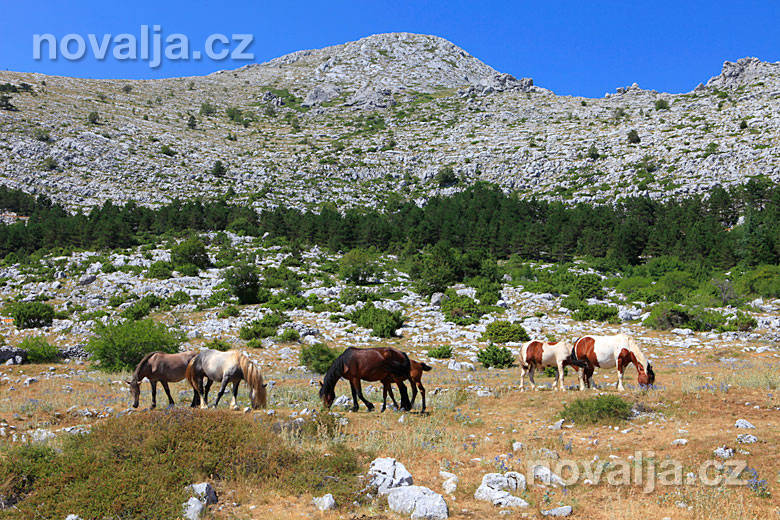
{"x": 386, "y": 116}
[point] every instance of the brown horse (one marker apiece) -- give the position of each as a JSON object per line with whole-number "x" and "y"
{"x": 163, "y": 368}
{"x": 415, "y": 378}
{"x": 367, "y": 364}
{"x": 617, "y": 351}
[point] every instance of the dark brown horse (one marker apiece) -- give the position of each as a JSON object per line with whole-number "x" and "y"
{"x": 415, "y": 378}
{"x": 163, "y": 368}
{"x": 367, "y": 364}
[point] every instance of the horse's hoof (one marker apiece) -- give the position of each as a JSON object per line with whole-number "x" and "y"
{"x": 234, "y": 408}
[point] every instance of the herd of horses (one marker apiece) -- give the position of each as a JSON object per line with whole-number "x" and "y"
{"x": 381, "y": 364}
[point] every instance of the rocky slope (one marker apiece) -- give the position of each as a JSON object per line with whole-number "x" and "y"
{"x": 354, "y": 123}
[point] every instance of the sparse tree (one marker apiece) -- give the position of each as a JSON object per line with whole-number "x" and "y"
{"x": 192, "y": 123}
{"x": 633, "y": 137}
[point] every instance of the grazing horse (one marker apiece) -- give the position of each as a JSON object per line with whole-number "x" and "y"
{"x": 416, "y": 369}
{"x": 612, "y": 351}
{"x": 540, "y": 354}
{"x": 163, "y": 368}
{"x": 226, "y": 367}
{"x": 367, "y": 364}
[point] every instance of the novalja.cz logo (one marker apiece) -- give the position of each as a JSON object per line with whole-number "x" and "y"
{"x": 149, "y": 45}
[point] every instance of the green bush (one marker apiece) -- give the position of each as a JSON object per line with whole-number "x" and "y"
{"x": 741, "y": 322}
{"x": 503, "y": 331}
{"x": 598, "y": 409}
{"x": 587, "y": 312}
{"x": 762, "y": 281}
{"x": 121, "y": 346}
{"x": 188, "y": 269}
{"x": 281, "y": 277}
{"x": 39, "y": 350}
{"x": 31, "y": 315}
{"x": 289, "y": 335}
{"x": 358, "y": 266}
{"x": 383, "y": 323}
{"x": 633, "y": 137}
{"x": 661, "y": 104}
{"x": 265, "y": 327}
{"x": 229, "y": 311}
{"x": 190, "y": 251}
{"x": 244, "y": 283}
{"x": 157, "y": 452}
{"x": 665, "y": 316}
{"x": 352, "y": 295}
{"x": 160, "y": 270}
{"x": 460, "y": 309}
{"x": 495, "y": 356}
{"x": 93, "y": 118}
{"x": 440, "y": 352}
{"x": 219, "y": 344}
{"x": 142, "y": 307}
{"x": 318, "y": 357}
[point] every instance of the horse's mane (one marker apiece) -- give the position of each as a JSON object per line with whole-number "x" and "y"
{"x": 141, "y": 364}
{"x": 640, "y": 356}
{"x": 334, "y": 373}
{"x": 253, "y": 377}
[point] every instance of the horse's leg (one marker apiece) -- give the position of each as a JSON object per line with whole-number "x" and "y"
{"x": 404, "y": 396}
{"x": 422, "y": 393}
{"x": 589, "y": 376}
{"x": 206, "y": 390}
{"x": 154, "y": 393}
{"x": 225, "y": 381}
{"x": 368, "y": 403}
{"x": 167, "y": 392}
{"x": 561, "y": 386}
{"x": 233, "y": 403}
{"x": 531, "y": 376}
{"x": 392, "y": 396}
{"x": 203, "y": 395}
{"x": 354, "y": 395}
{"x": 523, "y": 372}
{"x": 414, "y": 393}
{"x": 580, "y": 377}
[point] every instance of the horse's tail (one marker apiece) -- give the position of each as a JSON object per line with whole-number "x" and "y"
{"x": 191, "y": 375}
{"x": 572, "y": 359}
{"x": 254, "y": 379}
{"x": 426, "y": 368}
{"x": 141, "y": 364}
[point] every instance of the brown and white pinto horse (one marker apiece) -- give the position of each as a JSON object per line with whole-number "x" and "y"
{"x": 540, "y": 354}
{"x": 618, "y": 351}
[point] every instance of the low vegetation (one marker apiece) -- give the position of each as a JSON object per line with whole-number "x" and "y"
{"x": 121, "y": 346}
{"x": 599, "y": 409}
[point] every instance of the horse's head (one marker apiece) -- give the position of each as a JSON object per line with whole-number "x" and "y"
{"x": 647, "y": 377}
{"x": 135, "y": 391}
{"x": 327, "y": 396}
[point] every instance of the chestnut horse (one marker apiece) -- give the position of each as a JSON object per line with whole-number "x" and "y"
{"x": 367, "y": 364}
{"x": 415, "y": 378}
{"x": 163, "y": 368}
{"x": 618, "y": 351}
{"x": 540, "y": 354}
{"x": 226, "y": 367}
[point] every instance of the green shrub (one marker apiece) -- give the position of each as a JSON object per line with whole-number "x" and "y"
{"x": 39, "y": 350}
{"x": 661, "y": 104}
{"x": 157, "y": 452}
{"x": 93, "y": 118}
{"x": 358, "y": 266}
{"x": 188, "y": 269}
{"x": 142, "y": 307}
{"x": 440, "y": 352}
{"x": 460, "y": 309}
{"x": 31, "y": 315}
{"x": 244, "y": 283}
{"x": 289, "y": 335}
{"x": 553, "y": 371}
{"x": 665, "y": 316}
{"x": 190, "y": 251}
{"x": 120, "y": 346}
{"x": 352, "y": 295}
{"x": 219, "y": 344}
{"x": 229, "y": 311}
{"x": 383, "y": 323}
{"x": 207, "y": 109}
{"x": 503, "y": 331}
{"x": 587, "y": 312}
{"x": 446, "y": 177}
{"x": 218, "y": 170}
{"x": 741, "y": 322}
{"x": 762, "y": 281}
{"x": 318, "y": 357}
{"x": 160, "y": 270}
{"x": 281, "y": 277}
{"x": 598, "y": 409}
{"x": 264, "y": 327}
{"x": 177, "y": 298}
{"x": 633, "y": 137}
{"x": 495, "y": 356}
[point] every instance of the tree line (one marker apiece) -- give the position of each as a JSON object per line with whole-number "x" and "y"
{"x": 740, "y": 225}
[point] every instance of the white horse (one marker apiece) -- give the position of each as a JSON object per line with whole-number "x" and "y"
{"x": 608, "y": 352}
{"x": 226, "y": 367}
{"x": 541, "y": 354}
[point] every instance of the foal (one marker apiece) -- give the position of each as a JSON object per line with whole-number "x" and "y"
{"x": 541, "y": 354}
{"x": 415, "y": 378}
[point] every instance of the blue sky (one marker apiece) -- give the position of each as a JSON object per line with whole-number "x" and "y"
{"x": 578, "y": 48}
